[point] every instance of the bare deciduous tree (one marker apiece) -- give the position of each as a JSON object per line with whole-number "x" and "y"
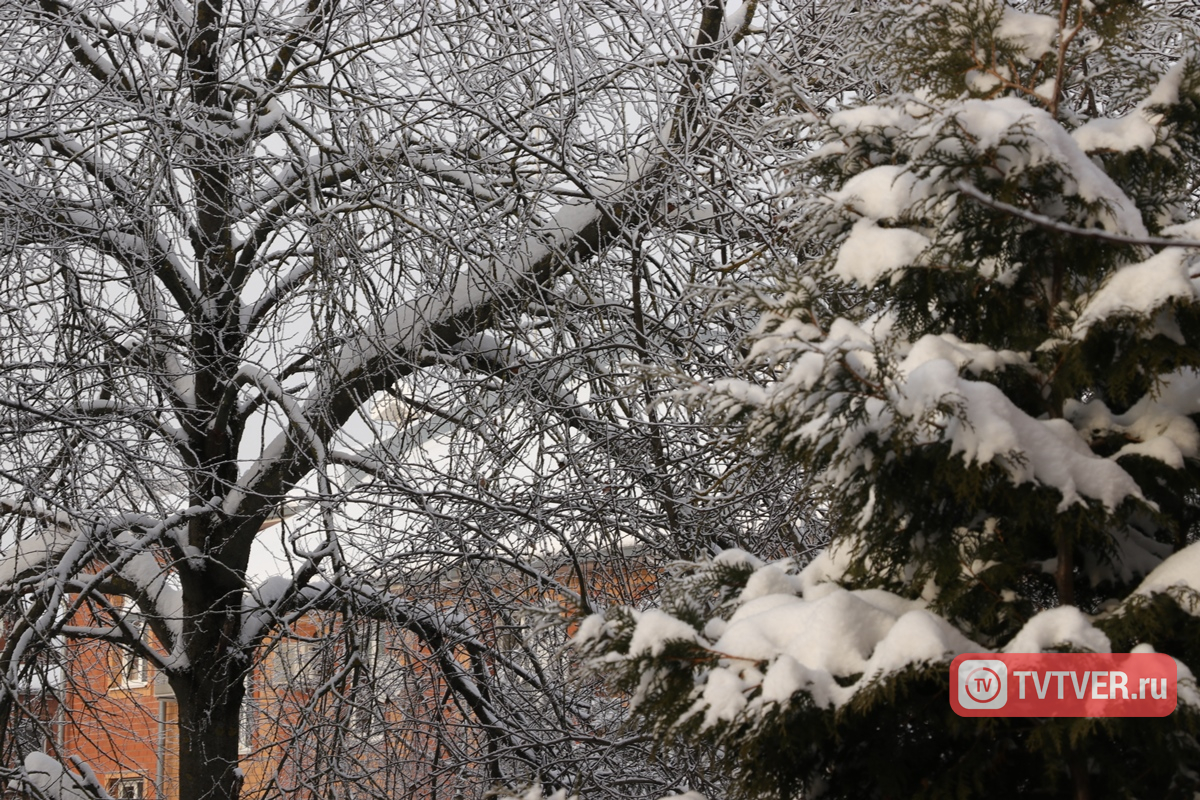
{"x": 385, "y": 285}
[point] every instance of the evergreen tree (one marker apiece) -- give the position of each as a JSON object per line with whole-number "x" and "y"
{"x": 984, "y": 349}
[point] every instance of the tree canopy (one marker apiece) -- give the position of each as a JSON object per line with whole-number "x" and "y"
{"x": 383, "y": 286}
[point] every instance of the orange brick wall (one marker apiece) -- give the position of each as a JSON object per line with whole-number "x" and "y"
{"x": 126, "y": 732}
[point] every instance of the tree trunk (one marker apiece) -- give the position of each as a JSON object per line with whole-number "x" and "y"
{"x": 211, "y": 688}
{"x": 210, "y": 698}
{"x": 1080, "y": 786}
{"x": 1064, "y": 572}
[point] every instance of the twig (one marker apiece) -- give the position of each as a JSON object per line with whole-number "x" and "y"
{"x": 1086, "y": 233}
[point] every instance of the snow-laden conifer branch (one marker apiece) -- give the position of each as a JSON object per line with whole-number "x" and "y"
{"x": 1002, "y": 417}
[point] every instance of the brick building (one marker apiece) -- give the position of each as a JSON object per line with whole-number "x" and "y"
{"x": 118, "y": 715}
{"x": 313, "y": 724}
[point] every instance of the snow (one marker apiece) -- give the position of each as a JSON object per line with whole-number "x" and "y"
{"x": 835, "y": 633}
{"x": 797, "y": 632}
{"x": 1184, "y": 230}
{"x": 1159, "y": 425}
{"x": 1184, "y": 677}
{"x": 294, "y": 410}
{"x": 1160, "y": 448}
{"x": 654, "y": 629}
{"x": 871, "y": 252}
{"x": 1023, "y": 138}
{"x": 735, "y": 15}
{"x": 591, "y": 628}
{"x": 770, "y": 579}
{"x": 34, "y": 551}
{"x": 183, "y": 13}
{"x": 867, "y": 117}
{"x": 1034, "y": 34}
{"x": 535, "y": 793}
{"x": 1065, "y": 626}
{"x": 1181, "y": 570}
{"x": 261, "y": 124}
{"x": 403, "y": 328}
{"x": 832, "y": 643}
{"x": 151, "y": 578}
{"x": 809, "y": 642}
{"x": 261, "y": 465}
{"x": 1138, "y": 129}
{"x": 743, "y": 393}
{"x": 981, "y": 82}
{"x": 1166, "y": 91}
{"x": 1139, "y": 289}
{"x": 826, "y": 569}
{"x": 884, "y": 192}
{"x": 269, "y": 591}
{"x": 975, "y": 358}
{"x": 786, "y": 677}
{"x": 1185, "y": 682}
{"x": 1123, "y": 134}
{"x": 480, "y": 185}
{"x": 736, "y": 557}
{"x": 918, "y": 636}
{"x": 723, "y": 697}
{"x": 925, "y": 397}
{"x": 52, "y": 781}
{"x": 845, "y": 340}
{"x": 990, "y": 428}
{"x": 487, "y": 345}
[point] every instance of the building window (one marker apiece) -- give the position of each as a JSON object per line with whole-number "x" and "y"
{"x": 135, "y": 671}
{"x": 296, "y": 665}
{"x": 246, "y": 722}
{"x": 301, "y": 664}
{"x": 363, "y": 720}
{"x": 28, "y": 734}
{"x": 128, "y": 789}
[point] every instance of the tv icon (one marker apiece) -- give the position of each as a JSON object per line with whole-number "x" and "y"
{"x": 982, "y": 683}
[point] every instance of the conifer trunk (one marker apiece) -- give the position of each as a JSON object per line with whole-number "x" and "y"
{"x": 1080, "y": 786}
{"x": 1064, "y": 578}
{"x": 1064, "y": 573}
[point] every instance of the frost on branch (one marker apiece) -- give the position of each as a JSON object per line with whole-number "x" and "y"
{"x": 227, "y": 231}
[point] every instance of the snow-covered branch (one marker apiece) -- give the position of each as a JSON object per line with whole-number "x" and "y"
{"x": 1073, "y": 230}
